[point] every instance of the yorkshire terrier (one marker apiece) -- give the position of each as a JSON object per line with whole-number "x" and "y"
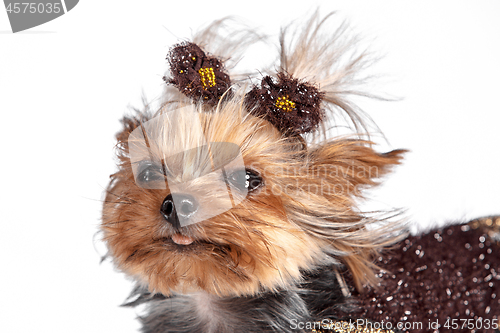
{"x": 234, "y": 211}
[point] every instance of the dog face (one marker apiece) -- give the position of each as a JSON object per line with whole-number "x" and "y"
{"x": 222, "y": 202}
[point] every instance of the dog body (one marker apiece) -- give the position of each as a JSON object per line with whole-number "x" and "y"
{"x": 248, "y": 264}
{"x": 256, "y": 265}
{"x": 227, "y": 217}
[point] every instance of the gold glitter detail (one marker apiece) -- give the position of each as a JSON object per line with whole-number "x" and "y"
{"x": 342, "y": 326}
{"x": 207, "y": 77}
{"x": 285, "y": 104}
{"x": 491, "y": 225}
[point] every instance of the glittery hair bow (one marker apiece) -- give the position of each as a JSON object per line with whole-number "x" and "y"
{"x": 292, "y": 106}
{"x": 196, "y": 74}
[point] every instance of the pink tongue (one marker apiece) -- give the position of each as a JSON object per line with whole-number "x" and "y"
{"x": 182, "y": 240}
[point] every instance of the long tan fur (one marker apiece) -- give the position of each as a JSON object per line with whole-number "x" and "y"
{"x": 305, "y": 214}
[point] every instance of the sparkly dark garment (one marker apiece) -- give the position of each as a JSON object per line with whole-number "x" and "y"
{"x": 449, "y": 277}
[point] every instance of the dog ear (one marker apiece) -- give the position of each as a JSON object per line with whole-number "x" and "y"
{"x": 344, "y": 168}
{"x": 353, "y": 164}
{"x": 130, "y": 123}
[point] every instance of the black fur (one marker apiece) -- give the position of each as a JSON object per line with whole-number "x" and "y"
{"x": 318, "y": 296}
{"x": 323, "y": 295}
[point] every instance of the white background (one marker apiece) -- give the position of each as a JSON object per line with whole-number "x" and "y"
{"x": 65, "y": 84}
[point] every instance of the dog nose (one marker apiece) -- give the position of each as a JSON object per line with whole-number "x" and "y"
{"x": 178, "y": 207}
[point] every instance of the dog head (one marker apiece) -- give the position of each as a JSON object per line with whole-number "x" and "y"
{"x": 227, "y": 197}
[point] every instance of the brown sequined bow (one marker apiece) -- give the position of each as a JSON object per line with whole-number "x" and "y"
{"x": 197, "y": 75}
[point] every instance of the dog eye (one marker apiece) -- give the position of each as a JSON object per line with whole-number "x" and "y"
{"x": 149, "y": 172}
{"x": 245, "y": 179}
